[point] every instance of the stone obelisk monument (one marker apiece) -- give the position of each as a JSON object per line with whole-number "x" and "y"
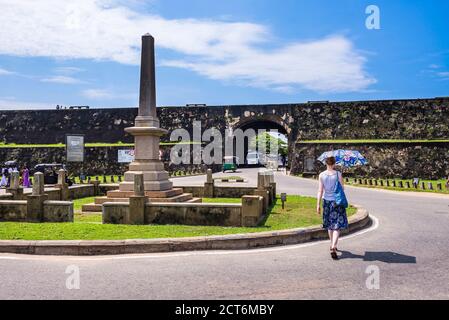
{"x": 146, "y": 130}
{"x": 147, "y": 133}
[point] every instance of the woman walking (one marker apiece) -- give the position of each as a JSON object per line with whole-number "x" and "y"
{"x": 26, "y": 177}
{"x": 334, "y": 216}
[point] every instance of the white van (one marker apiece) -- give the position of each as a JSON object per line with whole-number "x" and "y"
{"x": 253, "y": 158}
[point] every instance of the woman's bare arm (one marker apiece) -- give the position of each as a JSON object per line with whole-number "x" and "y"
{"x": 340, "y": 178}
{"x": 319, "y": 196}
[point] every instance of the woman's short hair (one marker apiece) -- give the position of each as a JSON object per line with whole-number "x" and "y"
{"x": 330, "y": 161}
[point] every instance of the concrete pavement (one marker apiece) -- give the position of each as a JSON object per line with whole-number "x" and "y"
{"x": 409, "y": 248}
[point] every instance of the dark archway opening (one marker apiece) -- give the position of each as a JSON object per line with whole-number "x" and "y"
{"x": 269, "y": 129}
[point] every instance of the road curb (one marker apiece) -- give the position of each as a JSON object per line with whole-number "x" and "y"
{"x": 357, "y": 222}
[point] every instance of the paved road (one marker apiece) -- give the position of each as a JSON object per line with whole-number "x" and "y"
{"x": 410, "y": 248}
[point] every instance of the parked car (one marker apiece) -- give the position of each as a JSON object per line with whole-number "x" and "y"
{"x": 50, "y": 171}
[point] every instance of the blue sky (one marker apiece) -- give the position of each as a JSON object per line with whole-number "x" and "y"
{"x": 221, "y": 52}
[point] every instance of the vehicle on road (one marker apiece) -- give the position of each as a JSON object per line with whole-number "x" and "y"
{"x": 50, "y": 171}
{"x": 230, "y": 163}
{"x": 253, "y": 158}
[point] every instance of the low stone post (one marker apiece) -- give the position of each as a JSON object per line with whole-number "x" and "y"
{"x": 381, "y": 183}
{"x": 401, "y": 185}
{"x": 35, "y": 201}
{"x": 209, "y": 185}
{"x": 423, "y": 185}
{"x": 96, "y": 185}
{"x": 137, "y": 202}
{"x": 112, "y": 179}
{"x": 268, "y": 179}
{"x": 273, "y": 189}
{"x": 387, "y": 183}
{"x": 14, "y": 186}
{"x": 64, "y": 193}
{"x": 430, "y": 185}
{"x": 407, "y": 184}
{"x": 394, "y": 183}
{"x": 252, "y": 210}
{"x": 262, "y": 192}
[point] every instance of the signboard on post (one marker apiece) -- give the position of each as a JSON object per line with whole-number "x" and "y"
{"x": 74, "y": 147}
{"x": 125, "y": 155}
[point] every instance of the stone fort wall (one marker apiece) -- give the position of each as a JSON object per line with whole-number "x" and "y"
{"x": 422, "y": 119}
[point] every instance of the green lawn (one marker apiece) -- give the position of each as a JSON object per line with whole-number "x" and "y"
{"x": 419, "y": 189}
{"x": 299, "y": 212}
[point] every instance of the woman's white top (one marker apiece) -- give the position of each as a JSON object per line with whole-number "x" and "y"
{"x": 329, "y": 181}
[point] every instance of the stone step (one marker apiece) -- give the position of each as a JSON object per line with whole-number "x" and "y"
{"x": 91, "y": 207}
{"x": 184, "y": 197}
{"x": 195, "y": 200}
{"x": 97, "y": 206}
{"x": 101, "y": 200}
{"x": 151, "y": 194}
{"x": 179, "y": 198}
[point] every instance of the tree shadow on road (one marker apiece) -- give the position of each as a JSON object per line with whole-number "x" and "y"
{"x": 383, "y": 256}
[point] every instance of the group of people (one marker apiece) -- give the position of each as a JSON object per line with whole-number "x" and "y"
{"x": 6, "y": 173}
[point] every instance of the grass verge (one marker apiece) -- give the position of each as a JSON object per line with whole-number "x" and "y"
{"x": 299, "y": 212}
{"x": 434, "y": 184}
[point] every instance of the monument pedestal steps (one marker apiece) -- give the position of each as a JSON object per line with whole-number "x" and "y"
{"x": 174, "y": 195}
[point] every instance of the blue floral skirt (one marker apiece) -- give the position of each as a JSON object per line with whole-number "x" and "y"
{"x": 334, "y": 217}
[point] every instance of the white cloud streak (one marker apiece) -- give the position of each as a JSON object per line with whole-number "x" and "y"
{"x": 234, "y": 52}
{"x": 68, "y": 70}
{"x": 62, "y": 80}
{"x": 12, "y": 104}
{"x": 106, "y": 94}
{"x": 4, "y": 72}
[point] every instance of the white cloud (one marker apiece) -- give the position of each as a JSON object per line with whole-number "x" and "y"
{"x": 227, "y": 51}
{"x": 62, "y": 80}
{"x": 4, "y": 72}
{"x": 12, "y": 104}
{"x": 106, "y": 94}
{"x": 437, "y": 71}
{"x": 328, "y": 65}
{"x": 444, "y": 74}
{"x": 68, "y": 70}
{"x": 97, "y": 94}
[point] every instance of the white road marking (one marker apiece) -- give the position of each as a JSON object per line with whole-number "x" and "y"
{"x": 373, "y": 227}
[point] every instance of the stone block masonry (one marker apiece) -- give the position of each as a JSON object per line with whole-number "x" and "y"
{"x": 386, "y": 160}
{"x": 412, "y": 119}
{"x": 177, "y": 213}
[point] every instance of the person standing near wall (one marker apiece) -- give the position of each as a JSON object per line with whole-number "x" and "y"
{"x": 334, "y": 216}
{"x": 8, "y": 176}
{"x": 3, "y": 181}
{"x": 26, "y": 177}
